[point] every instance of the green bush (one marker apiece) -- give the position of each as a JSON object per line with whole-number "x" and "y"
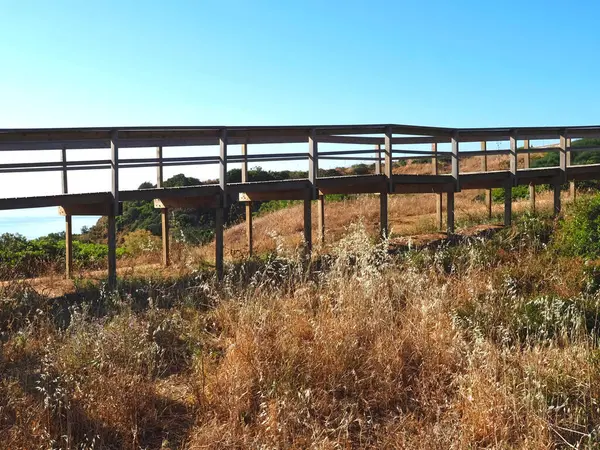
{"x": 578, "y": 232}
{"x": 22, "y": 257}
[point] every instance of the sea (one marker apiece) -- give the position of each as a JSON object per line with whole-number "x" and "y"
{"x": 40, "y": 222}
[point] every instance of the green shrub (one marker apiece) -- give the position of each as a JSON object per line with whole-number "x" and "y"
{"x": 578, "y": 232}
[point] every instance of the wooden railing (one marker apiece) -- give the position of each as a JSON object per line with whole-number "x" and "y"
{"x": 381, "y": 145}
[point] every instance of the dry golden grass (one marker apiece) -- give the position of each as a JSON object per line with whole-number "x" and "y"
{"x": 488, "y": 344}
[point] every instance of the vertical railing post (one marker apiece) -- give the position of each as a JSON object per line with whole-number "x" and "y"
{"x": 563, "y": 156}
{"x": 68, "y": 220}
{"x": 378, "y": 160}
{"x": 114, "y": 211}
{"x": 313, "y": 160}
{"x": 484, "y": 168}
{"x": 455, "y": 161}
{"x": 222, "y": 201}
{"x": 248, "y": 205}
{"x": 527, "y": 165}
{"x": 572, "y": 187}
{"x": 513, "y": 157}
{"x": 389, "y": 157}
{"x": 438, "y": 196}
{"x": 164, "y": 212}
{"x": 562, "y": 160}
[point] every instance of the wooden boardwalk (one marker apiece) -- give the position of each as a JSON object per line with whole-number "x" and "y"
{"x": 381, "y": 145}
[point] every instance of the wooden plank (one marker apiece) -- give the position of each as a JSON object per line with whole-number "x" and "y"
{"x": 352, "y": 184}
{"x": 484, "y": 180}
{"x": 87, "y": 209}
{"x": 187, "y": 202}
{"x": 53, "y": 200}
{"x": 363, "y": 140}
{"x": 378, "y": 161}
{"x": 422, "y": 179}
{"x": 407, "y": 140}
{"x": 269, "y": 186}
{"x": 265, "y": 196}
{"x": 206, "y": 190}
{"x": 422, "y": 188}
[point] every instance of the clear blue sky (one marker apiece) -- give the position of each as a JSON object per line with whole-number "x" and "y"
{"x": 447, "y": 63}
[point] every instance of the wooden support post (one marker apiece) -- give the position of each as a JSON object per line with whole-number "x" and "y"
{"x": 484, "y": 168}
{"x": 557, "y": 205}
{"x": 438, "y": 197}
{"x": 68, "y": 221}
{"x": 450, "y": 212}
{"x": 572, "y": 188}
{"x": 455, "y": 161}
{"x": 164, "y": 216}
{"x": 321, "y": 205}
{"x": 219, "y": 225}
{"x": 164, "y": 212}
{"x": 388, "y": 158}
{"x": 112, "y": 225}
{"x": 112, "y": 252}
{"x": 383, "y": 214}
{"x": 508, "y": 203}
{"x": 248, "y": 204}
{"x": 307, "y": 227}
{"x": 220, "y": 210}
{"x": 378, "y": 160}
{"x": 68, "y": 247}
{"x": 249, "y": 227}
